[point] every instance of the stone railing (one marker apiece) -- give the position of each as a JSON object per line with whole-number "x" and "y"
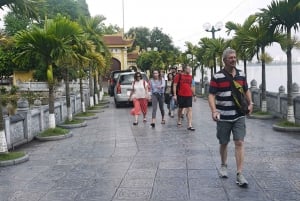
{"x": 29, "y": 121}
{"x": 276, "y": 102}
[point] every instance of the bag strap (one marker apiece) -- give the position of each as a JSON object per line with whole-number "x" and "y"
{"x": 234, "y": 89}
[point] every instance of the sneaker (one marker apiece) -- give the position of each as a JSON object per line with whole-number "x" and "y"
{"x": 241, "y": 181}
{"x": 223, "y": 171}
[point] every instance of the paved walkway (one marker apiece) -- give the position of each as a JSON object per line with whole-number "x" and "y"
{"x": 110, "y": 160}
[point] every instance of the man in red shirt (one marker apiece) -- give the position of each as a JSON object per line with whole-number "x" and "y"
{"x": 184, "y": 92}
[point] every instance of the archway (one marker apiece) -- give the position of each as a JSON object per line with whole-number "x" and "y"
{"x": 115, "y": 64}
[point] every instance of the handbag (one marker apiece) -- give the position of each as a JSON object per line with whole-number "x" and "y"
{"x": 238, "y": 94}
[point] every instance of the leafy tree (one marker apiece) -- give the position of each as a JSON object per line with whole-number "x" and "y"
{"x": 71, "y": 8}
{"x": 14, "y": 22}
{"x": 51, "y": 44}
{"x": 150, "y": 61}
{"x": 141, "y": 36}
{"x": 94, "y": 28}
{"x": 245, "y": 51}
{"x": 29, "y": 8}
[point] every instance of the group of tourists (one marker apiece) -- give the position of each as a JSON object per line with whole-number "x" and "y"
{"x": 178, "y": 91}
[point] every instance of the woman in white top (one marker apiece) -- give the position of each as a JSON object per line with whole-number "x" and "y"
{"x": 139, "y": 96}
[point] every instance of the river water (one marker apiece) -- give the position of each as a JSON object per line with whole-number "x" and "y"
{"x": 276, "y": 75}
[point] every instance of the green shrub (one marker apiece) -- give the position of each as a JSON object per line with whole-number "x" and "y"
{"x": 14, "y": 89}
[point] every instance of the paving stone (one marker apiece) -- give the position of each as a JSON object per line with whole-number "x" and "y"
{"x": 105, "y": 162}
{"x": 133, "y": 194}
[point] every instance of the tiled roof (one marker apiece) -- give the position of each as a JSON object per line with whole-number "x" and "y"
{"x": 117, "y": 41}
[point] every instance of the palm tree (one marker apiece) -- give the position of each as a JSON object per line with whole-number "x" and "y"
{"x": 50, "y": 44}
{"x": 245, "y": 52}
{"x": 208, "y": 58}
{"x": 29, "y": 8}
{"x": 68, "y": 60}
{"x": 94, "y": 29}
{"x": 284, "y": 16}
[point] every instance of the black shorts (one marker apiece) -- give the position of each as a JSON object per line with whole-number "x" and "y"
{"x": 184, "y": 101}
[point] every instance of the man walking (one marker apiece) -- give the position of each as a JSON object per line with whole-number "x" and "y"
{"x": 227, "y": 115}
{"x": 184, "y": 91}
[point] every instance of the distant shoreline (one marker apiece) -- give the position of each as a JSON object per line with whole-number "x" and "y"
{"x": 267, "y": 64}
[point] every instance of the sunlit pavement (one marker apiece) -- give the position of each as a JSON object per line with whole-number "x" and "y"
{"x": 111, "y": 159}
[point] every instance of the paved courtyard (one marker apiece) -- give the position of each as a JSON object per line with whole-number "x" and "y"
{"x": 112, "y": 160}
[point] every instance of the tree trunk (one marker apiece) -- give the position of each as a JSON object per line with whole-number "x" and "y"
{"x": 245, "y": 67}
{"x": 91, "y": 87}
{"x": 81, "y": 96}
{"x": 3, "y": 142}
{"x": 96, "y": 91}
{"x": 69, "y": 111}
{"x": 290, "y": 104}
{"x": 263, "y": 80}
{"x": 51, "y": 96}
{"x": 51, "y": 106}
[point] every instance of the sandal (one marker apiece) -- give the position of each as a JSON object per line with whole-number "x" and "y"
{"x": 163, "y": 121}
{"x": 179, "y": 124}
{"x": 191, "y": 128}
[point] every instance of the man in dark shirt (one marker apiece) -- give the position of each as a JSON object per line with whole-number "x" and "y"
{"x": 226, "y": 114}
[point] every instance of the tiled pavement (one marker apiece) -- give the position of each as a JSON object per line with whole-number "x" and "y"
{"x": 111, "y": 160}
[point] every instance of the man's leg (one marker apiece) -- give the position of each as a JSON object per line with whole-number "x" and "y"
{"x": 189, "y": 116}
{"x": 239, "y": 155}
{"x": 179, "y": 115}
{"x": 223, "y": 154}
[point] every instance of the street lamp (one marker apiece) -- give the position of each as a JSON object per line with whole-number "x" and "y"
{"x": 207, "y": 27}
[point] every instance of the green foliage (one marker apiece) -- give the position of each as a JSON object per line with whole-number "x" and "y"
{"x": 74, "y": 121}
{"x": 6, "y": 64}
{"x": 11, "y": 156}
{"x": 30, "y": 96}
{"x": 287, "y": 124}
{"x": 14, "y": 89}
{"x": 149, "y": 61}
{"x": 14, "y": 22}
{"x": 85, "y": 114}
{"x": 144, "y": 38}
{"x": 53, "y": 132}
{"x": 3, "y": 90}
{"x": 69, "y": 8}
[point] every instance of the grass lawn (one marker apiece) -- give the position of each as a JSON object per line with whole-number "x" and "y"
{"x": 53, "y": 132}
{"x": 74, "y": 121}
{"x": 85, "y": 114}
{"x": 11, "y": 156}
{"x": 287, "y": 124}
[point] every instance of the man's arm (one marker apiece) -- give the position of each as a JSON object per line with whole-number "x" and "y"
{"x": 249, "y": 99}
{"x": 212, "y": 104}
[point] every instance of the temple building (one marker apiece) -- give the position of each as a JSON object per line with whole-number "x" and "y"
{"x": 118, "y": 46}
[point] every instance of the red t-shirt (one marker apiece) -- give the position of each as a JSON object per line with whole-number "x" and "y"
{"x": 185, "y": 84}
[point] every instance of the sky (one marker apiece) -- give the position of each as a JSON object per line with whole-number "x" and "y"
{"x": 182, "y": 20}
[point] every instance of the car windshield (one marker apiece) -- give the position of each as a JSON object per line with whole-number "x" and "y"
{"x": 126, "y": 79}
{"x": 116, "y": 75}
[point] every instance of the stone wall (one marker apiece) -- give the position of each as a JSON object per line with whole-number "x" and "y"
{"x": 276, "y": 102}
{"x": 28, "y": 122}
